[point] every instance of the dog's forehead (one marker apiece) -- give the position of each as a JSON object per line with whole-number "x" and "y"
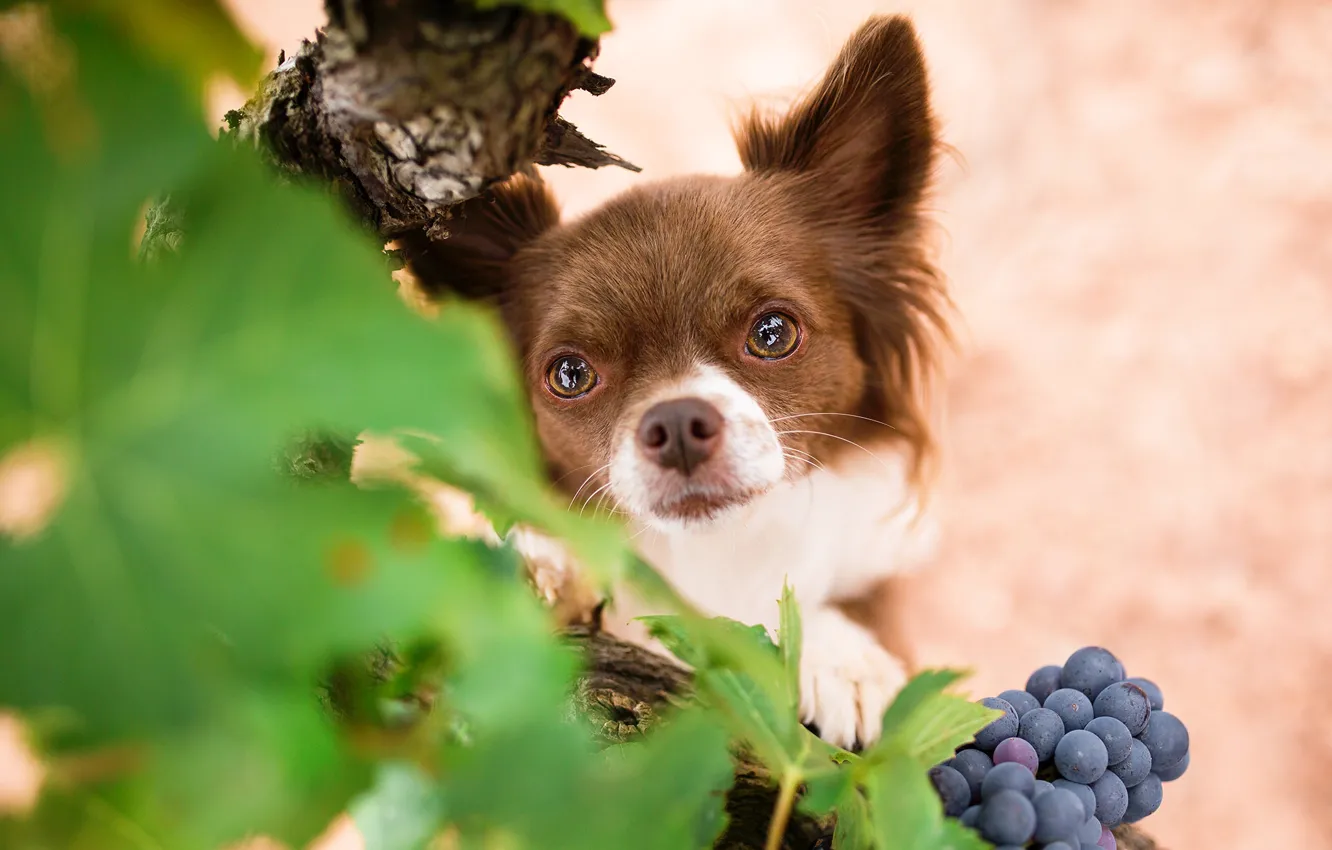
{"x": 687, "y": 258}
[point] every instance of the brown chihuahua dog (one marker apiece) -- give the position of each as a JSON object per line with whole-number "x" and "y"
{"x": 739, "y": 364}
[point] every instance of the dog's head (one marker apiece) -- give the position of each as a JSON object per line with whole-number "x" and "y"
{"x": 695, "y": 342}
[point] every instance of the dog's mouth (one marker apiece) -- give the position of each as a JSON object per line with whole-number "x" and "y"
{"x": 696, "y": 504}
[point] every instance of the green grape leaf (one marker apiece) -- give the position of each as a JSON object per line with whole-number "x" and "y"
{"x": 589, "y": 16}
{"x": 904, "y": 810}
{"x": 944, "y": 723}
{"x": 927, "y": 723}
{"x": 955, "y": 836}
{"x": 908, "y": 702}
{"x": 737, "y": 670}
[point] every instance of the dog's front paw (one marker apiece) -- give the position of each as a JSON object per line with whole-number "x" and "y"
{"x": 847, "y": 679}
{"x": 556, "y": 577}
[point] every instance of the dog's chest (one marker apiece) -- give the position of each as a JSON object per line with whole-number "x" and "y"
{"x": 831, "y": 534}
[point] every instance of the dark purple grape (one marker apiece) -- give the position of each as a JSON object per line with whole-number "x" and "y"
{"x": 1127, "y": 703}
{"x": 1041, "y": 728}
{"x": 973, "y": 765}
{"x": 1167, "y": 739}
{"x": 1114, "y": 734}
{"x": 1082, "y": 792}
{"x": 1007, "y": 818}
{"x": 1107, "y": 839}
{"x": 970, "y": 817}
{"x": 1059, "y": 813}
{"x": 1090, "y": 670}
{"x": 1090, "y": 831}
{"x": 952, "y": 788}
{"x": 1072, "y": 706}
{"x": 1017, "y": 751}
{"x": 1111, "y": 799}
{"x": 1041, "y": 787}
{"x": 1175, "y": 772}
{"x": 1152, "y": 690}
{"x": 1080, "y": 757}
{"x": 1009, "y": 776}
{"x": 1060, "y": 845}
{"x": 1005, "y": 726}
{"x": 1135, "y": 768}
{"x": 1021, "y": 701}
{"x": 1143, "y": 799}
{"x": 1044, "y": 682}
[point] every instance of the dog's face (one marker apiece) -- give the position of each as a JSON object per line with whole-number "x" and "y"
{"x": 695, "y": 342}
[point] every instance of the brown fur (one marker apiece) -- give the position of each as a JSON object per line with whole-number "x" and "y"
{"x": 825, "y": 223}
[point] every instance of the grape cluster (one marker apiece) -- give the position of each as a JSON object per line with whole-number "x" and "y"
{"x": 1079, "y": 751}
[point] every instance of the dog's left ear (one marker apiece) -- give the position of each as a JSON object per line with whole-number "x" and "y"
{"x": 483, "y": 236}
{"x": 857, "y": 155}
{"x": 864, "y": 136}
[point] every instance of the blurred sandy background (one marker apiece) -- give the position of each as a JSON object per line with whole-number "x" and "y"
{"x": 1139, "y": 237}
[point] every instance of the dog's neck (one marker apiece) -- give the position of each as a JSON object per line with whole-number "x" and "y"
{"x": 831, "y": 534}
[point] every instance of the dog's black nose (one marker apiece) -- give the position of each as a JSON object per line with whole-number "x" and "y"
{"x": 680, "y": 434}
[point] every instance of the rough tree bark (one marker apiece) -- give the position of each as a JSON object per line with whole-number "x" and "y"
{"x": 410, "y": 107}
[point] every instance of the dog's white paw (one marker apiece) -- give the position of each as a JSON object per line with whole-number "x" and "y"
{"x": 847, "y": 679}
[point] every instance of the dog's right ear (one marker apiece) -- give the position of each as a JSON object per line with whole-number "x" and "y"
{"x": 483, "y": 235}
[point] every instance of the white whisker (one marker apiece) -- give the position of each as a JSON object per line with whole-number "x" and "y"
{"x": 811, "y": 460}
{"x": 830, "y": 413}
{"x": 592, "y": 496}
{"x": 586, "y": 481}
{"x": 881, "y": 461}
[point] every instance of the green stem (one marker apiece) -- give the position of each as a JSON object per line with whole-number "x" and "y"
{"x": 782, "y": 814}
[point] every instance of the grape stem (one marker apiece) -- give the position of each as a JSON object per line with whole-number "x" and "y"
{"x": 782, "y": 813}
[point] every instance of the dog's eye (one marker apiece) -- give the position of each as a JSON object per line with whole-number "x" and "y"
{"x": 570, "y": 377}
{"x": 774, "y": 336}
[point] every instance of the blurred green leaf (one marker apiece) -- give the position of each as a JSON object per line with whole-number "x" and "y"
{"x": 196, "y": 37}
{"x": 403, "y": 810}
{"x": 503, "y": 492}
{"x": 274, "y": 764}
{"x": 270, "y": 763}
{"x": 666, "y": 791}
{"x": 824, "y": 791}
{"x": 790, "y": 635}
{"x": 854, "y": 830}
{"x": 589, "y": 16}
{"x": 169, "y": 388}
